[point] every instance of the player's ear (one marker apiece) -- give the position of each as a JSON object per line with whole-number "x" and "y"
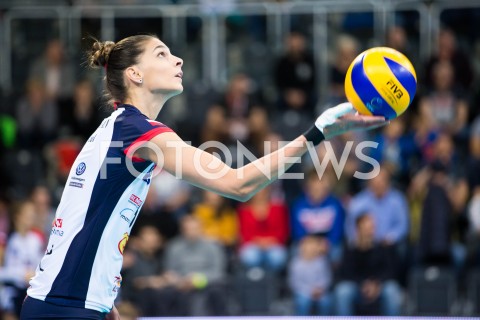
{"x": 133, "y": 74}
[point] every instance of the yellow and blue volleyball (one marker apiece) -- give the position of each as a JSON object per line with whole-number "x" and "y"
{"x": 382, "y": 82}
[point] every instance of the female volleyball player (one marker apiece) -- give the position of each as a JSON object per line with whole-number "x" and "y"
{"x": 79, "y": 275}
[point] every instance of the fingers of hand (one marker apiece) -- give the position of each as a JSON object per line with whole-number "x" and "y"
{"x": 366, "y": 120}
{"x": 377, "y": 125}
{"x": 362, "y": 122}
{"x": 343, "y": 109}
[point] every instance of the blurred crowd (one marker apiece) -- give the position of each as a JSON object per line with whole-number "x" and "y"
{"x": 331, "y": 246}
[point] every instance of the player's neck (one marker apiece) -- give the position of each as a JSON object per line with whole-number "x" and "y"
{"x": 150, "y": 105}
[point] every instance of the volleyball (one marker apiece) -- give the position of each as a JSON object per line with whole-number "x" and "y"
{"x": 381, "y": 81}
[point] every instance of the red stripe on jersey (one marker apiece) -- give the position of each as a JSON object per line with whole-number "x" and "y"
{"x": 147, "y": 136}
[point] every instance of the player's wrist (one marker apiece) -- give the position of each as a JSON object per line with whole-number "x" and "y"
{"x": 314, "y": 135}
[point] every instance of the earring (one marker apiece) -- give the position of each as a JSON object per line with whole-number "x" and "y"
{"x": 140, "y": 80}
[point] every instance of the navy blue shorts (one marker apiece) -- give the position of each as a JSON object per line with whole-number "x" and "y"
{"x": 34, "y": 309}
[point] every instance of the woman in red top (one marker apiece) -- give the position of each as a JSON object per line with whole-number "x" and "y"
{"x": 264, "y": 232}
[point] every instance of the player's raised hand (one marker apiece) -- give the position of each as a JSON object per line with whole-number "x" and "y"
{"x": 343, "y": 118}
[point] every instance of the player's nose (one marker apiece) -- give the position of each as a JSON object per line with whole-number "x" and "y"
{"x": 178, "y": 61}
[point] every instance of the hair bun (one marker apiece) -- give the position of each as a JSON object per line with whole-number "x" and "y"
{"x": 100, "y": 53}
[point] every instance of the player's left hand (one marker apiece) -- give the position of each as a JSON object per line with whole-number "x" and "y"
{"x": 343, "y": 118}
{"x": 113, "y": 315}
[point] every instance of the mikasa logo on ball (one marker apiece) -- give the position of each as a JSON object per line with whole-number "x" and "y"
{"x": 397, "y": 92}
{"x": 375, "y": 104}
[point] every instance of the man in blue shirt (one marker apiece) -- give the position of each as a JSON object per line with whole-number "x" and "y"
{"x": 388, "y": 207}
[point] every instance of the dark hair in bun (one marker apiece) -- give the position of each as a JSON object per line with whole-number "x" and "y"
{"x": 115, "y": 58}
{"x": 100, "y": 53}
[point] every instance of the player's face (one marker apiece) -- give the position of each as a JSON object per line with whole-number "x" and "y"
{"x": 162, "y": 71}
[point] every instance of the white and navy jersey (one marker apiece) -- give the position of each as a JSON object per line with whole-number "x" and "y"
{"x": 100, "y": 203}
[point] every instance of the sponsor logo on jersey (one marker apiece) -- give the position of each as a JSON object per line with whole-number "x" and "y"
{"x": 135, "y": 200}
{"x": 148, "y": 176}
{"x": 127, "y": 214}
{"x": 117, "y": 283}
{"x": 122, "y": 243}
{"x": 56, "y": 226}
{"x": 81, "y": 168}
{"x": 76, "y": 184}
{"x": 47, "y": 253}
{"x": 56, "y": 232}
{"x": 57, "y": 223}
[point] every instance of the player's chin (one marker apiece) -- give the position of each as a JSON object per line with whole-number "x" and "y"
{"x": 177, "y": 90}
{"x": 171, "y": 92}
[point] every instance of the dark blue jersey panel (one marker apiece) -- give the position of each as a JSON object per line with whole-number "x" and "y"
{"x": 137, "y": 127}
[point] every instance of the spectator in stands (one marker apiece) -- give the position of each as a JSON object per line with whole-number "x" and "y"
{"x": 319, "y": 212}
{"x": 154, "y": 214}
{"x": 473, "y": 209}
{"x": 289, "y": 122}
{"x": 293, "y": 119}
{"x": 81, "y": 115}
{"x": 259, "y": 132}
{"x": 60, "y": 156}
{"x": 397, "y": 148}
{"x": 4, "y": 226}
{"x": 171, "y": 194}
{"x": 263, "y": 232}
{"x": 294, "y": 72}
{"x": 397, "y": 39}
{"x": 367, "y": 278}
{"x": 146, "y": 283}
{"x": 23, "y": 253}
{"x": 387, "y": 206}
{"x": 424, "y": 136}
{"x": 346, "y": 50}
{"x": 198, "y": 264}
{"x": 474, "y": 222}
{"x": 444, "y": 193}
{"x": 218, "y": 219}
{"x": 44, "y": 211}
{"x": 237, "y": 101}
{"x": 215, "y": 127}
{"x": 445, "y": 109}
{"x": 310, "y": 277}
{"x": 448, "y": 51}
{"x": 127, "y": 311}
{"x": 55, "y": 71}
{"x": 36, "y": 116}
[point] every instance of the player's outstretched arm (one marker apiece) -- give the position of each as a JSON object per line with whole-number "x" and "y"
{"x": 206, "y": 171}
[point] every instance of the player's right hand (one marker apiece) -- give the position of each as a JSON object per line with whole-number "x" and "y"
{"x": 343, "y": 117}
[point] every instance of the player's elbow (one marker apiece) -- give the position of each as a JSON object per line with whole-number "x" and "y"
{"x": 241, "y": 194}
{"x": 245, "y": 198}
